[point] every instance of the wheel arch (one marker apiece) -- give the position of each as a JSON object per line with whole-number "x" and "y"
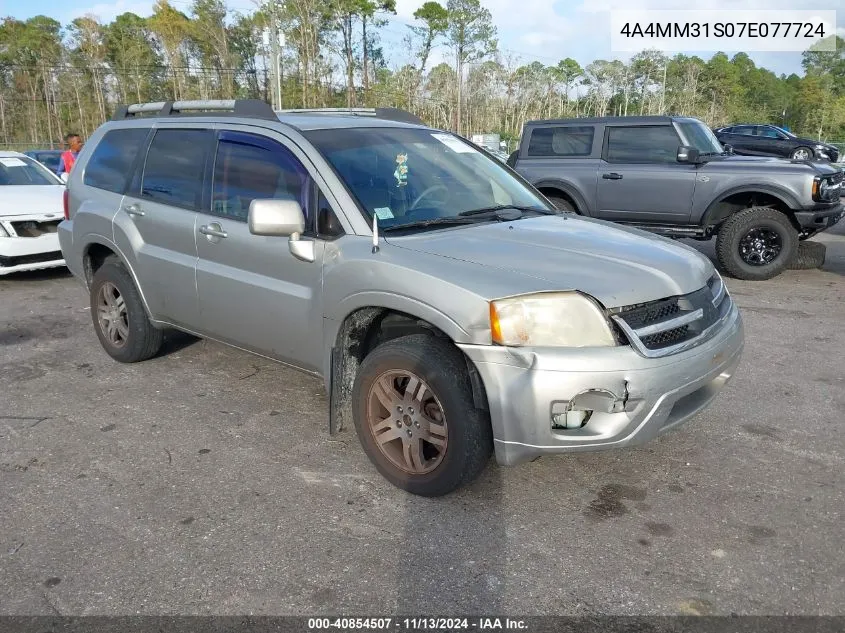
{"x": 361, "y": 330}
{"x": 738, "y": 198}
{"x": 97, "y": 249}
{"x": 553, "y": 187}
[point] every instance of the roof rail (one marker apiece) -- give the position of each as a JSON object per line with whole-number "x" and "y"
{"x": 251, "y": 108}
{"x": 390, "y": 114}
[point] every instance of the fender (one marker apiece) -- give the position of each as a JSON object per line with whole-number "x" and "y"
{"x": 94, "y": 238}
{"x": 568, "y": 188}
{"x": 387, "y": 301}
{"x": 781, "y": 194}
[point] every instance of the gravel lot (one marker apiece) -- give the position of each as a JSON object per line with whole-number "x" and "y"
{"x": 205, "y": 482}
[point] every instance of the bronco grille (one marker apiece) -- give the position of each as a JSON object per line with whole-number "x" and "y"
{"x": 667, "y": 326}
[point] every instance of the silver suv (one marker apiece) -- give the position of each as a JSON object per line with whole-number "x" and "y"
{"x": 449, "y": 308}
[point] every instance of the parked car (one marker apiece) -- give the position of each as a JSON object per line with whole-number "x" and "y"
{"x": 30, "y": 212}
{"x": 449, "y": 308}
{"x": 670, "y": 175}
{"x": 50, "y": 158}
{"x": 770, "y": 140}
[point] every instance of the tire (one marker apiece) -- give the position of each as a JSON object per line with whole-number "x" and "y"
{"x": 133, "y": 338}
{"x": 810, "y": 255}
{"x": 562, "y": 204}
{"x": 764, "y": 221}
{"x": 441, "y": 368}
{"x": 802, "y": 153}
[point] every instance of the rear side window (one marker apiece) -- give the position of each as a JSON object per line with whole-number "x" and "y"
{"x": 562, "y": 141}
{"x": 173, "y": 173}
{"x": 642, "y": 144}
{"x": 112, "y": 160}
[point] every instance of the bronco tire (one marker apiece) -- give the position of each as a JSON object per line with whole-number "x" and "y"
{"x": 415, "y": 417}
{"x": 809, "y": 255}
{"x": 120, "y": 320}
{"x": 562, "y": 204}
{"x": 756, "y": 244}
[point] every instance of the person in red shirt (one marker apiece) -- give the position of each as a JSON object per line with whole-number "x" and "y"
{"x": 68, "y": 158}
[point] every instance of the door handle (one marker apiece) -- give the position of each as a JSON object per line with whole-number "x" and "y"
{"x": 612, "y": 176}
{"x": 213, "y": 230}
{"x": 133, "y": 209}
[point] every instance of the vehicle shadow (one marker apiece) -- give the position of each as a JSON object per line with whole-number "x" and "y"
{"x": 176, "y": 341}
{"x": 453, "y": 559}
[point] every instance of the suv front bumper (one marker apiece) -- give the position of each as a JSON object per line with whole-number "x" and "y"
{"x": 525, "y": 386}
{"x": 820, "y": 219}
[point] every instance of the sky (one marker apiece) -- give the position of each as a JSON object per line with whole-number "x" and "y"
{"x": 528, "y": 30}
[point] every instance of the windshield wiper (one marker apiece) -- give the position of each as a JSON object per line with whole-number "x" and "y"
{"x": 424, "y": 223}
{"x": 506, "y": 207}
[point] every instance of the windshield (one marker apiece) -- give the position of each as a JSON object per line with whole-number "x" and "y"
{"x": 22, "y": 170}
{"x": 700, "y": 137}
{"x": 787, "y": 132}
{"x": 409, "y": 175}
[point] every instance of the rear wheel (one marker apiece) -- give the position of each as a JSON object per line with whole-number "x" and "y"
{"x": 756, "y": 243}
{"x": 120, "y": 320}
{"x": 562, "y": 204}
{"x": 415, "y": 416}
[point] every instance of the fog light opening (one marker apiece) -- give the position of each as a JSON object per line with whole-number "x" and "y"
{"x": 571, "y": 419}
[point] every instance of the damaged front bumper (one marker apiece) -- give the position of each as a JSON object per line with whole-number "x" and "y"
{"x": 558, "y": 400}
{"x": 29, "y": 243}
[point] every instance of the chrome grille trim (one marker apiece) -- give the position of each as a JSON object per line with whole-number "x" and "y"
{"x": 671, "y": 324}
{"x": 697, "y": 323}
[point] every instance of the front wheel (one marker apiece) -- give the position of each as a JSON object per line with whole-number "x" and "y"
{"x": 415, "y": 417}
{"x": 802, "y": 153}
{"x": 756, "y": 243}
{"x": 562, "y": 204}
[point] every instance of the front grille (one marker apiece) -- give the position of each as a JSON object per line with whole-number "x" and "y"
{"x": 7, "y": 262}
{"x": 669, "y": 325}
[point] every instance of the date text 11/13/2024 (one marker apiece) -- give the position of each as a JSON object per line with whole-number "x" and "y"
{"x": 416, "y": 624}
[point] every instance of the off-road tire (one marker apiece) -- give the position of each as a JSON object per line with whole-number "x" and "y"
{"x": 469, "y": 434}
{"x": 562, "y": 204}
{"x": 738, "y": 226}
{"x": 810, "y": 255}
{"x": 144, "y": 339}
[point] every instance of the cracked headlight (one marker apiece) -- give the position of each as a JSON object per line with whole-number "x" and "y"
{"x": 550, "y": 319}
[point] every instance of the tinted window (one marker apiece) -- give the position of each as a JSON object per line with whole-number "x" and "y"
{"x": 656, "y": 144}
{"x": 561, "y": 141}
{"x": 244, "y": 172}
{"x": 174, "y": 169}
{"x": 768, "y": 132}
{"x": 113, "y": 158}
{"x": 744, "y": 130}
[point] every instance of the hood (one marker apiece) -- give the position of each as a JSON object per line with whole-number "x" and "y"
{"x": 617, "y": 265}
{"x": 770, "y": 163}
{"x": 31, "y": 200}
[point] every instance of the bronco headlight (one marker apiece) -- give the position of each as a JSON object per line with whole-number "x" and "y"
{"x": 550, "y": 319}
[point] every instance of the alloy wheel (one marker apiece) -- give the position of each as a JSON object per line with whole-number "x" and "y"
{"x": 407, "y": 422}
{"x": 760, "y": 246}
{"x": 112, "y": 315}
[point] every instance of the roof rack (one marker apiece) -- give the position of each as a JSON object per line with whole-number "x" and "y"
{"x": 390, "y": 114}
{"x": 250, "y": 108}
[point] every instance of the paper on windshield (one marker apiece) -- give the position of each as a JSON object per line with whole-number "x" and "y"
{"x": 383, "y": 213}
{"x": 454, "y": 144}
{"x": 12, "y": 162}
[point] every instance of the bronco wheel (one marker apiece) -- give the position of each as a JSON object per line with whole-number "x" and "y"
{"x": 415, "y": 416}
{"x": 562, "y": 204}
{"x": 119, "y": 317}
{"x": 756, "y": 243}
{"x": 802, "y": 153}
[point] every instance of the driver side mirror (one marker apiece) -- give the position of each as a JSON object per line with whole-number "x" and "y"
{"x": 688, "y": 154}
{"x": 729, "y": 149}
{"x": 281, "y": 218}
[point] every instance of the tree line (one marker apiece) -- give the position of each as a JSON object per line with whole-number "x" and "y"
{"x": 56, "y": 78}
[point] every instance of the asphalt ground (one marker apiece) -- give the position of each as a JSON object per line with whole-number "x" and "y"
{"x": 205, "y": 482}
